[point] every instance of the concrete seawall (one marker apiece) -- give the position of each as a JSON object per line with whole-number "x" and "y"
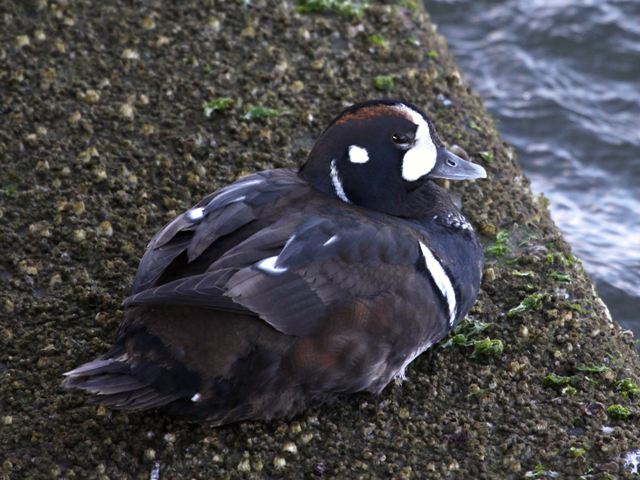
{"x": 104, "y": 137}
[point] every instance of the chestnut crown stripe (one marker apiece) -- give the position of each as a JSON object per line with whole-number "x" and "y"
{"x": 373, "y": 111}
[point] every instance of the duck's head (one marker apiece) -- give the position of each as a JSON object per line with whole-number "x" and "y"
{"x": 375, "y": 154}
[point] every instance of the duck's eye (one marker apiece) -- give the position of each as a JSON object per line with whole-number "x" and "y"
{"x": 400, "y": 139}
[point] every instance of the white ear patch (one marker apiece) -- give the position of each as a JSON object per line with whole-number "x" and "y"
{"x": 358, "y": 154}
{"x": 421, "y": 158}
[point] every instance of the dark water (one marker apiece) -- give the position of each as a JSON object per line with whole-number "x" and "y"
{"x": 562, "y": 78}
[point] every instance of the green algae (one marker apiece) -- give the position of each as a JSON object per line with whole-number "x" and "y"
{"x": 9, "y": 190}
{"x": 593, "y": 368}
{"x": 465, "y": 336}
{"x": 529, "y": 303}
{"x": 560, "y": 277}
{"x": 486, "y": 155}
{"x": 487, "y": 347}
{"x": 576, "y": 307}
{"x": 378, "y": 41}
{"x": 384, "y": 83}
{"x": 540, "y": 471}
{"x": 260, "y": 112}
{"x": 217, "y": 105}
{"x": 522, "y": 274}
{"x": 619, "y": 412}
{"x": 577, "y": 452}
{"x": 347, "y": 8}
{"x": 465, "y": 333}
{"x": 457, "y": 341}
{"x": 555, "y": 258}
{"x": 553, "y": 380}
{"x": 411, "y": 5}
{"x": 628, "y": 388}
{"x": 479, "y": 348}
{"x": 501, "y": 246}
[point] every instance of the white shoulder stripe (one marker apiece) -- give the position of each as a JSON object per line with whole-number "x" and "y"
{"x": 441, "y": 280}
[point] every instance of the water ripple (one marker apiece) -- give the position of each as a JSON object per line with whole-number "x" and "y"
{"x": 561, "y": 78}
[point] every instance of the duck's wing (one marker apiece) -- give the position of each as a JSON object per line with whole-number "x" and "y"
{"x": 193, "y": 240}
{"x": 309, "y": 297}
{"x": 334, "y": 307}
{"x": 312, "y": 262}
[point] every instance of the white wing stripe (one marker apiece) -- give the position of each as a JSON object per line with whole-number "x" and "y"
{"x": 195, "y": 214}
{"x": 269, "y": 265}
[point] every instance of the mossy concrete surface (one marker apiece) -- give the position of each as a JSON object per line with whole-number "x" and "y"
{"x": 104, "y": 137}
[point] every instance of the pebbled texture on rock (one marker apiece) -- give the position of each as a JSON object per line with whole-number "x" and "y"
{"x": 102, "y": 115}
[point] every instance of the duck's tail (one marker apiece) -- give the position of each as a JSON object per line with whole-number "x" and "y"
{"x": 118, "y": 383}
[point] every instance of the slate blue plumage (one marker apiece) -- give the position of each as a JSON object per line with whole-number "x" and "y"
{"x": 290, "y": 287}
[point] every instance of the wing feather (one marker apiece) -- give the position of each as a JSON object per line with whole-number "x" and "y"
{"x": 319, "y": 263}
{"x": 225, "y": 212}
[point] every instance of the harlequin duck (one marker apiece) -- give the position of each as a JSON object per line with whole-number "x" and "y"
{"x": 291, "y": 287}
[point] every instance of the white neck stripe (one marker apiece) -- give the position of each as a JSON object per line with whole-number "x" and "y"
{"x": 441, "y": 280}
{"x": 337, "y": 183}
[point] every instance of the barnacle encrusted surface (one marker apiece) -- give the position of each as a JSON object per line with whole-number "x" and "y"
{"x": 116, "y": 116}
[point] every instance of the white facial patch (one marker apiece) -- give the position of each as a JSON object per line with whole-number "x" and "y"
{"x": 442, "y": 281}
{"x": 358, "y": 154}
{"x": 421, "y": 158}
{"x": 337, "y": 183}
